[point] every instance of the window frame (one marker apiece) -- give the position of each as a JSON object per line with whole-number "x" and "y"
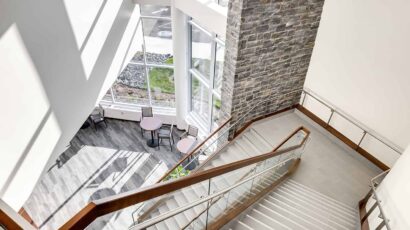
{"x": 209, "y": 83}
{"x": 146, "y": 66}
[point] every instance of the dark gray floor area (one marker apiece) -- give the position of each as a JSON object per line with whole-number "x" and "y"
{"x": 99, "y": 163}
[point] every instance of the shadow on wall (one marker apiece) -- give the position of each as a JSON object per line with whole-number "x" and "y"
{"x": 47, "y": 35}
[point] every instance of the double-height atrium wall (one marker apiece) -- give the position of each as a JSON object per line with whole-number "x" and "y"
{"x": 56, "y": 59}
{"x": 268, "y": 48}
{"x": 360, "y": 66}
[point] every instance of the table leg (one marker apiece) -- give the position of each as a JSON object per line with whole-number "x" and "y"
{"x": 152, "y": 143}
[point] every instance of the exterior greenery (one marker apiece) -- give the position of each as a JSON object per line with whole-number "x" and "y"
{"x": 178, "y": 172}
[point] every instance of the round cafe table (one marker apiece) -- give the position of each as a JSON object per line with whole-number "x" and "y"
{"x": 151, "y": 124}
{"x": 185, "y": 145}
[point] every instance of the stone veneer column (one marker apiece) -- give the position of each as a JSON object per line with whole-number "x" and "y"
{"x": 268, "y": 48}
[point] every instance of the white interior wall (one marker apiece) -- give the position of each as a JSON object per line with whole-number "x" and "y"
{"x": 394, "y": 195}
{"x": 207, "y": 13}
{"x": 360, "y": 65}
{"x": 57, "y": 58}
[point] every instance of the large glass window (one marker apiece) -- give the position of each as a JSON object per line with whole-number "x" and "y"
{"x": 201, "y": 50}
{"x": 131, "y": 85}
{"x": 162, "y": 86}
{"x": 216, "y": 112}
{"x": 149, "y": 77}
{"x": 200, "y": 99}
{"x": 158, "y": 40}
{"x": 207, "y": 59}
{"x": 156, "y": 11}
{"x": 219, "y": 66}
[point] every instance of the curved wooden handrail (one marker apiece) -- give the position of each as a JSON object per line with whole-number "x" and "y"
{"x": 101, "y": 207}
{"x": 194, "y": 150}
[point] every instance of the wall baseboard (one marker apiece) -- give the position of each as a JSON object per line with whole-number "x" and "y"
{"x": 343, "y": 138}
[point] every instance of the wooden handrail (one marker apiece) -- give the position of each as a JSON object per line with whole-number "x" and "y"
{"x": 194, "y": 150}
{"x": 9, "y": 219}
{"x": 101, "y": 207}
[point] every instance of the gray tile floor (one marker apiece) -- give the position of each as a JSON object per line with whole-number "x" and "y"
{"x": 98, "y": 164}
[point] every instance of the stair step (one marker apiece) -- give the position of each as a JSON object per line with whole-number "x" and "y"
{"x": 312, "y": 205}
{"x": 328, "y": 206}
{"x": 301, "y": 219}
{"x": 242, "y": 226}
{"x": 169, "y": 221}
{"x": 261, "y": 138}
{"x": 306, "y": 216}
{"x": 294, "y": 184}
{"x": 246, "y": 148}
{"x": 182, "y": 200}
{"x": 292, "y": 224}
{"x": 269, "y": 220}
{"x": 262, "y": 147}
{"x": 318, "y": 214}
{"x": 255, "y": 223}
{"x": 255, "y": 150}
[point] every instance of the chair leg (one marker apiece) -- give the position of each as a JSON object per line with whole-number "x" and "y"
{"x": 170, "y": 145}
{"x": 105, "y": 123}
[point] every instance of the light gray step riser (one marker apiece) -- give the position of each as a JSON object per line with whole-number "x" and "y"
{"x": 321, "y": 196}
{"x": 242, "y": 226}
{"x": 318, "y": 214}
{"x": 269, "y": 220}
{"x": 192, "y": 212}
{"x": 249, "y": 150}
{"x": 313, "y": 201}
{"x": 256, "y": 151}
{"x": 301, "y": 219}
{"x": 313, "y": 205}
{"x": 169, "y": 221}
{"x": 259, "y": 141}
{"x": 307, "y": 215}
{"x": 279, "y": 217}
{"x": 260, "y": 137}
{"x": 255, "y": 223}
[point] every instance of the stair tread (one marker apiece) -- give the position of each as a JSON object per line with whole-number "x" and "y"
{"x": 318, "y": 214}
{"x": 300, "y": 217}
{"x": 311, "y": 203}
{"x": 315, "y": 193}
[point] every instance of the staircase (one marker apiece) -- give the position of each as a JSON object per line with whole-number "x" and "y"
{"x": 250, "y": 143}
{"x": 295, "y": 206}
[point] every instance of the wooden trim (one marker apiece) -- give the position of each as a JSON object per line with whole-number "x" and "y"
{"x": 27, "y": 217}
{"x": 8, "y": 222}
{"x": 232, "y": 214}
{"x": 362, "y": 210}
{"x": 194, "y": 150}
{"x": 247, "y": 124}
{"x": 343, "y": 138}
{"x": 10, "y": 219}
{"x": 117, "y": 202}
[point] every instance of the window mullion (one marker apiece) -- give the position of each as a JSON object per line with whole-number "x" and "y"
{"x": 145, "y": 63}
{"x": 112, "y": 95}
{"x": 212, "y": 77}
